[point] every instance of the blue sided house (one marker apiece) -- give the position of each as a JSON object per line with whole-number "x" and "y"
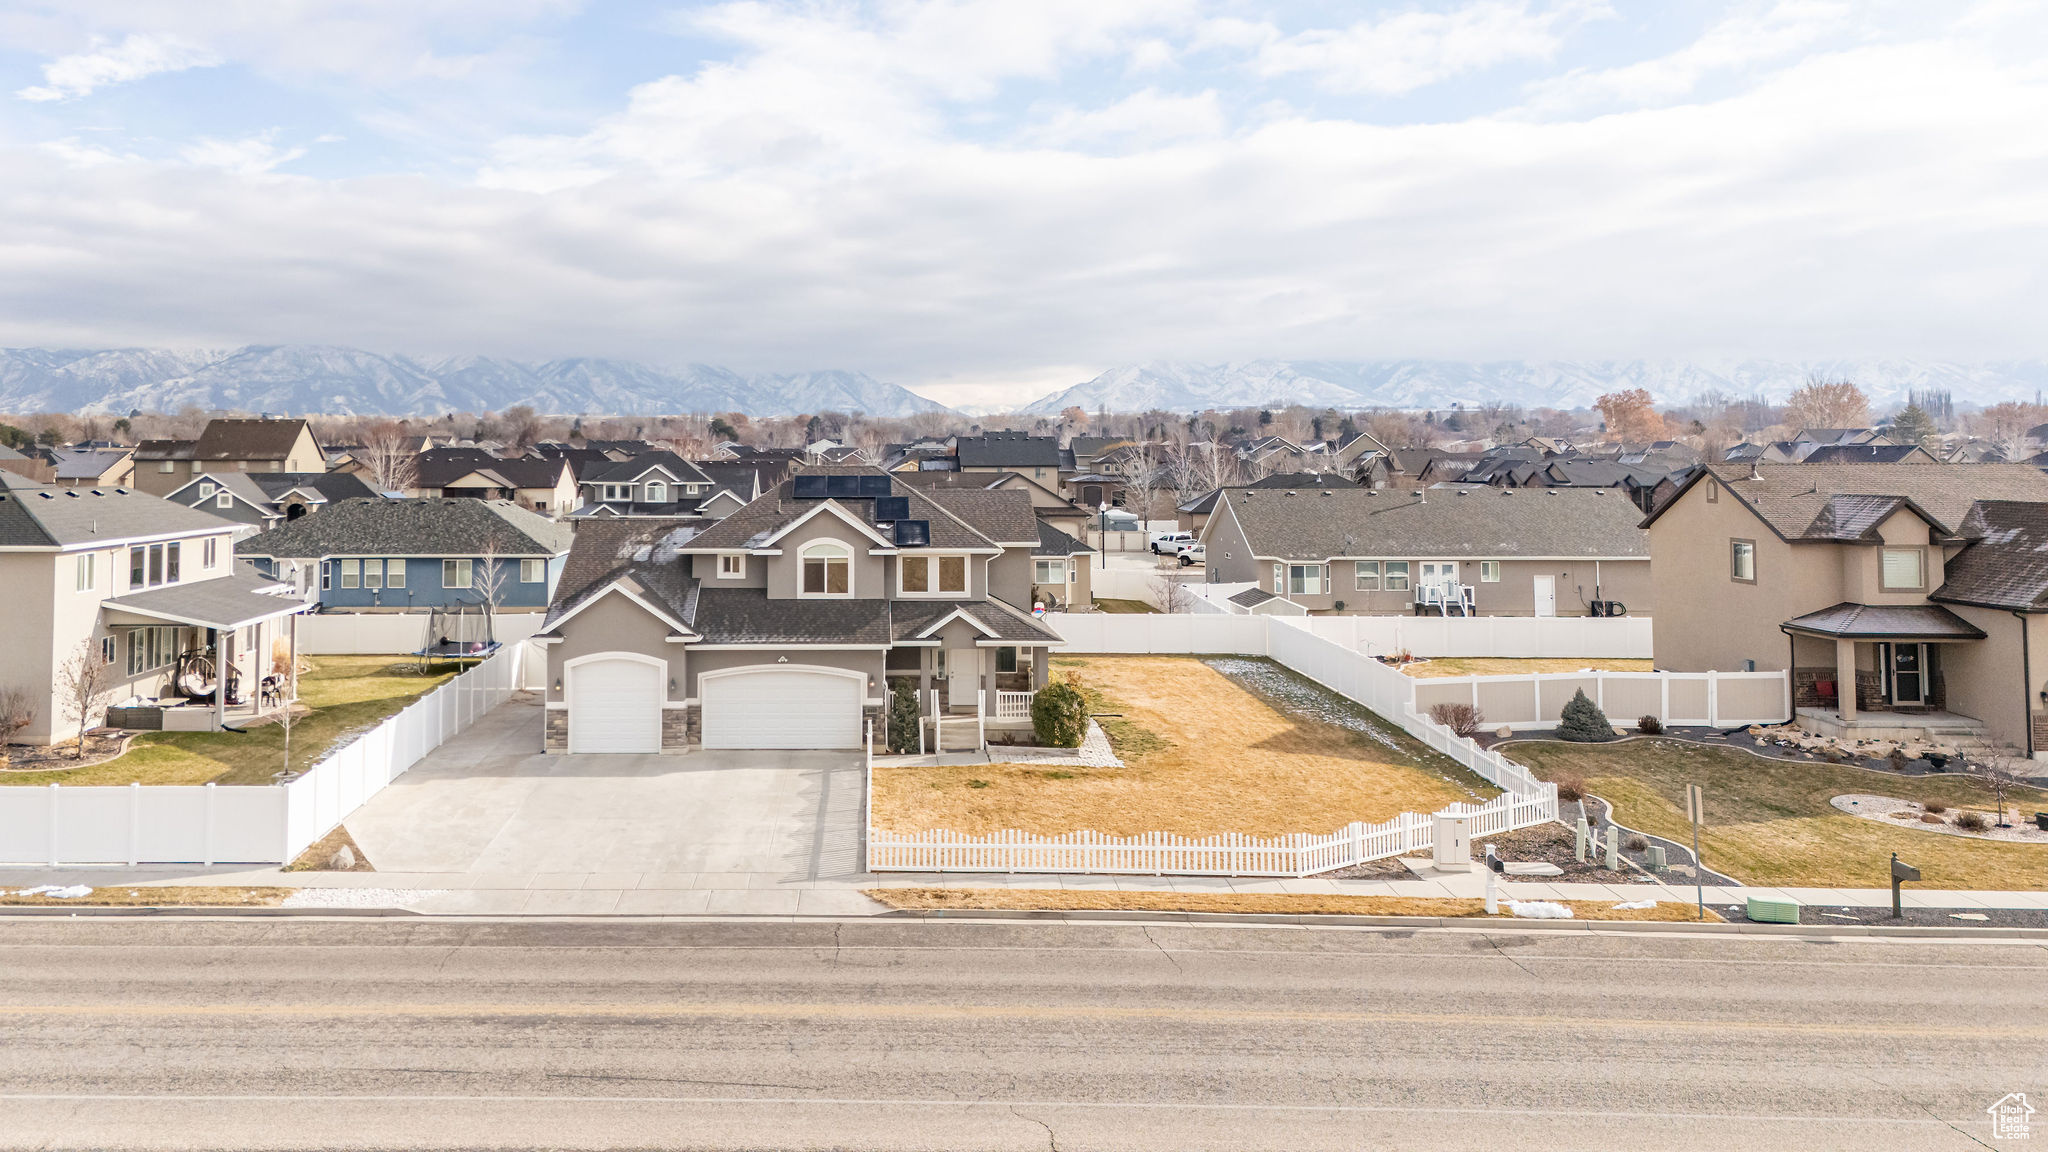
{"x": 387, "y": 555}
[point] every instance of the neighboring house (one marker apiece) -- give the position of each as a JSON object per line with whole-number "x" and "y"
{"x": 783, "y": 625}
{"x": 1035, "y": 456}
{"x": 227, "y": 445}
{"x": 1086, "y": 449}
{"x": 1347, "y": 452}
{"x": 1820, "y": 437}
{"x": 146, "y": 584}
{"x": 1489, "y": 552}
{"x": 95, "y": 468}
{"x": 1889, "y": 590}
{"x": 33, "y": 469}
{"x": 656, "y": 484}
{"x": 389, "y": 555}
{"x": 1060, "y": 575}
{"x": 542, "y": 484}
{"x": 1868, "y": 454}
{"x": 1046, "y": 504}
{"x": 263, "y": 500}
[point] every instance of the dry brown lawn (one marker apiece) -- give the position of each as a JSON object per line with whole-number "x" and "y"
{"x": 1502, "y": 666}
{"x": 212, "y": 896}
{"x": 1244, "y": 903}
{"x": 1203, "y": 756}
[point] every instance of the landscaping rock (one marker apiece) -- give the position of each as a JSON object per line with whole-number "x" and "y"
{"x": 1504, "y": 732}
{"x": 343, "y": 860}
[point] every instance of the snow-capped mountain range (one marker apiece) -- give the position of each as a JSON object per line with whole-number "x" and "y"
{"x": 302, "y": 378}
{"x": 1176, "y": 386}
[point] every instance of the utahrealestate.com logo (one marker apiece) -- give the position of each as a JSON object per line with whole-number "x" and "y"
{"x": 2009, "y": 1117}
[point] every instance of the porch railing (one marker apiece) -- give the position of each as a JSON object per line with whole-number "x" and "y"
{"x": 1013, "y": 705}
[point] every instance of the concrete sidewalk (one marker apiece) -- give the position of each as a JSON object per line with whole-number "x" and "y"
{"x": 762, "y": 894}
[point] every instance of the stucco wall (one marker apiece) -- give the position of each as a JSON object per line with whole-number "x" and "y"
{"x": 784, "y": 570}
{"x": 615, "y": 624}
{"x": 869, "y": 662}
{"x": 755, "y": 575}
{"x": 1706, "y": 620}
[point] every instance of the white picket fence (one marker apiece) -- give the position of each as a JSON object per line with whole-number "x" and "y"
{"x": 264, "y": 824}
{"x": 1524, "y": 799}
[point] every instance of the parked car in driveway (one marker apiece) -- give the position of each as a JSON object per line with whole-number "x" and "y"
{"x": 1192, "y": 554}
{"x": 1168, "y": 543}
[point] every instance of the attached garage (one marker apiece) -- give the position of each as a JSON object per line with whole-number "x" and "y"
{"x": 781, "y": 708}
{"x": 615, "y": 705}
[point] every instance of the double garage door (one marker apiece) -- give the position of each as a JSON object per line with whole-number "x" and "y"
{"x": 615, "y": 706}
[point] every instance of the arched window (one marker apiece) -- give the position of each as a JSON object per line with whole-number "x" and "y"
{"x": 827, "y": 569}
{"x": 657, "y": 492}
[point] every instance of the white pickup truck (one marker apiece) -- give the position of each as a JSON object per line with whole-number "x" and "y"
{"x": 1168, "y": 543}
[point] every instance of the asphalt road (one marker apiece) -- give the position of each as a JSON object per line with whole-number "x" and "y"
{"x": 946, "y": 1035}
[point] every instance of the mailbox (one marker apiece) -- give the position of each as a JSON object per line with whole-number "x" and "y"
{"x": 1902, "y": 870}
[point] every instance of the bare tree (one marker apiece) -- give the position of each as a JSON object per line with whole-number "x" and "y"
{"x": 1144, "y": 477}
{"x": 284, "y": 666}
{"x": 2002, "y": 776}
{"x": 488, "y": 579}
{"x": 80, "y": 682}
{"x": 1825, "y": 403}
{"x": 17, "y": 711}
{"x": 388, "y": 457}
{"x": 1173, "y": 595}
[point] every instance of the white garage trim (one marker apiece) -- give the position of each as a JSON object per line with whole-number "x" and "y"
{"x": 830, "y": 718}
{"x": 611, "y": 723}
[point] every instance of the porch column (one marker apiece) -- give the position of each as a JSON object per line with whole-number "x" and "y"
{"x": 987, "y": 656}
{"x": 924, "y": 678}
{"x": 1041, "y": 667}
{"x": 223, "y": 662}
{"x": 1845, "y": 678}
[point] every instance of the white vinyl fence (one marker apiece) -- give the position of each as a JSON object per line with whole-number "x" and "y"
{"x": 209, "y": 824}
{"x": 370, "y": 634}
{"x": 1518, "y": 637}
{"x": 1524, "y": 799}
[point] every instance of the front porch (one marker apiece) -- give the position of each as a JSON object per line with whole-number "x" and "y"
{"x": 969, "y": 696}
{"x": 1874, "y": 672}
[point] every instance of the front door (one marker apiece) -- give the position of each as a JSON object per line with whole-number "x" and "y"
{"x": 963, "y": 679}
{"x": 1909, "y": 674}
{"x": 1546, "y": 595}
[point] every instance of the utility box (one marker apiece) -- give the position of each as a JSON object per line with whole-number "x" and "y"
{"x": 1453, "y": 847}
{"x": 1773, "y": 911}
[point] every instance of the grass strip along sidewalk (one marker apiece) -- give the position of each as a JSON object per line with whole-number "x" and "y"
{"x": 1247, "y": 904}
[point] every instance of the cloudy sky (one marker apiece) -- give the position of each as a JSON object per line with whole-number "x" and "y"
{"x": 984, "y": 199}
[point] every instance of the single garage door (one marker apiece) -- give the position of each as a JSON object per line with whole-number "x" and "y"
{"x": 781, "y": 709}
{"x": 615, "y": 706}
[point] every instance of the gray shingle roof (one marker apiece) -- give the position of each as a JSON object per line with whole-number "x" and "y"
{"x": 2007, "y": 566}
{"x": 910, "y": 618}
{"x": 42, "y": 517}
{"x": 227, "y": 602}
{"x": 1003, "y": 516}
{"x": 237, "y": 439}
{"x": 440, "y": 467}
{"x": 1882, "y": 621}
{"x": 1007, "y": 450}
{"x": 641, "y": 551}
{"x": 748, "y": 616}
{"x": 779, "y": 507}
{"x": 1252, "y": 597}
{"x": 627, "y": 471}
{"x": 1053, "y": 542}
{"x": 431, "y": 527}
{"x": 1795, "y": 499}
{"x": 332, "y": 485}
{"x": 1319, "y": 524}
{"x": 86, "y": 465}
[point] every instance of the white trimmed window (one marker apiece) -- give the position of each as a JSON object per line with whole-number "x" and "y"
{"x": 1304, "y": 579}
{"x": 1905, "y": 569}
{"x": 615, "y": 492}
{"x": 1742, "y": 561}
{"x": 394, "y": 573}
{"x": 455, "y": 574}
{"x": 167, "y": 466}
{"x": 533, "y": 571}
{"x": 85, "y": 572}
{"x": 827, "y": 569}
{"x": 1048, "y": 571}
{"x": 933, "y": 575}
{"x": 223, "y": 499}
{"x": 657, "y": 492}
{"x": 207, "y": 488}
{"x": 1366, "y": 576}
{"x": 373, "y": 574}
{"x": 351, "y": 573}
{"x": 732, "y": 565}
{"x": 209, "y": 553}
{"x": 1489, "y": 571}
{"x": 1397, "y": 575}
{"x": 106, "y": 649}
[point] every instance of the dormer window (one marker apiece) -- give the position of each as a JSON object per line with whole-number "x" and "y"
{"x": 732, "y": 565}
{"x": 827, "y": 569}
{"x": 657, "y": 492}
{"x": 933, "y": 575}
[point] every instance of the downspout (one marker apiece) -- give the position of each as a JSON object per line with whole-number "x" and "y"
{"x": 2026, "y": 689}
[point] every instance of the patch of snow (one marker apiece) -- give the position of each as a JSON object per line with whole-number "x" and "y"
{"x": 57, "y": 891}
{"x": 359, "y": 897}
{"x": 1634, "y": 905}
{"x": 1539, "y": 910}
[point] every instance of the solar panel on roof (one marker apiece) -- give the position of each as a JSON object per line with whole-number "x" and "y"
{"x": 889, "y": 508}
{"x": 844, "y": 487}
{"x": 810, "y": 487}
{"x": 875, "y": 486}
{"x": 913, "y": 533}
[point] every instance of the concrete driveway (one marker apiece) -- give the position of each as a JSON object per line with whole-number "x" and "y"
{"x": 489, "y": 810}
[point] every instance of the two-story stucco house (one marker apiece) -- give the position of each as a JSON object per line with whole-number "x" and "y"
{"x": 1901, "y": 596}
{"x": 782, "y": 625}
{"x": 227, "y": 445}
{"x": 1482, "y": 552}
{"x": 150, "y": 588}
{"x": 264, "y": 500}
{"x": 389, "y": 555}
